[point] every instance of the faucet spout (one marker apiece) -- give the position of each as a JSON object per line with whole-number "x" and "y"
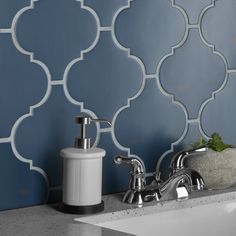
{"x": 187, "y": 178}
{"x": 168, "y": 189}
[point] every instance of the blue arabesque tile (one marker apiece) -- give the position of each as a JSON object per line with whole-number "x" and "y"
{"x": 56, "y": 31}
{"x": 105, "y": 79}
{"x": 20, "y": 186}
{"x": 22, "y": 84}
{"x": 193, "y": 73}
{"x": 150, "y": 29}
{"x": 150, "y": 125}
{"x": 8, "y": 9}
{"x": 219, "y": 114}
{"x": 218, "y": 28}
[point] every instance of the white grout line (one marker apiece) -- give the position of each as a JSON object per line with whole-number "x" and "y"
{"x": 106, "y": 130}
{"x": 191, "y": 121}
{"x": 231, "y": 71}
{"x": 57, "y": 82}
{"x": 193, "y": 26}
{"x": 106, "y": 28}
{"x": 5, "y": 140}
{"x": 150, "y": 76}
{"x": 6, "y": 31}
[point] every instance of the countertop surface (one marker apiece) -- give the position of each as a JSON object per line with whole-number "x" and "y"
{"x": 49, "y": 220}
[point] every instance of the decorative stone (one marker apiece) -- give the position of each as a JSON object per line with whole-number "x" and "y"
{"x": 218, "y": 169}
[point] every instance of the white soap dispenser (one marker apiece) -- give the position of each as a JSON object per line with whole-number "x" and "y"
{"x": 82, "y": 174}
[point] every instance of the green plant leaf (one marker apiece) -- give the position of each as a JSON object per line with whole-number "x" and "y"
{"x": 215, "y": 143}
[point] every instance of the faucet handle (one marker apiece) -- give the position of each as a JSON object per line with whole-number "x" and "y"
{"x": 137, "y": 180}
{"x": 177, "y": 161}
{"x": 135, "y": 163}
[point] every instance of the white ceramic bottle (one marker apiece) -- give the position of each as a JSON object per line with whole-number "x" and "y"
{"x": 82, "y": 174}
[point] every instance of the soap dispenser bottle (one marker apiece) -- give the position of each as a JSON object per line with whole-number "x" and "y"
{"x": 82, "y": 174}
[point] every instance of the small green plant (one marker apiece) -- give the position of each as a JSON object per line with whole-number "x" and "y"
{"x": 215, "y": 143}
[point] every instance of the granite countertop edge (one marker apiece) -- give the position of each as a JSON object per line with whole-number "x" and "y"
{"x": 49, "y": 220}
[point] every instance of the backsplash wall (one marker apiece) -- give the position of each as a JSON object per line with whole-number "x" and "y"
{"x": 163, "y": 72}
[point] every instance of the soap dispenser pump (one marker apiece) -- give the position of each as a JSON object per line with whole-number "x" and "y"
{"x": 82, "y": 173}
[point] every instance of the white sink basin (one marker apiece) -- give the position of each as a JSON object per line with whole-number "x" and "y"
{"x": 215, "y": 219}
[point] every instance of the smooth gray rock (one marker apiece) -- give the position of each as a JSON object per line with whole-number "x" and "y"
{"x": 218, "y": 169}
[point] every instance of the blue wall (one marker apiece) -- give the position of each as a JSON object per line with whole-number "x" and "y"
{"x": 163, "y": 72}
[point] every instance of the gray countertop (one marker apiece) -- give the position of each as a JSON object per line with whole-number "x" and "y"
{"x": 48, "y": 220}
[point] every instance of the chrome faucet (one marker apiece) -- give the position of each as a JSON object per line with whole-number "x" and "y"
{"x": 180, "y": 177}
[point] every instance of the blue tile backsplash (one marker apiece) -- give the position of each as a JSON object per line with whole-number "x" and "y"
{"x": 162, "y": 71}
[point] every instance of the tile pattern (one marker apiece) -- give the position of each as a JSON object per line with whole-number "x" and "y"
{"x": 192, "y": 69}
{"x": 193, "y": 9}
{"x": 147, "y": 37}
{"x": 163, "y": 72}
